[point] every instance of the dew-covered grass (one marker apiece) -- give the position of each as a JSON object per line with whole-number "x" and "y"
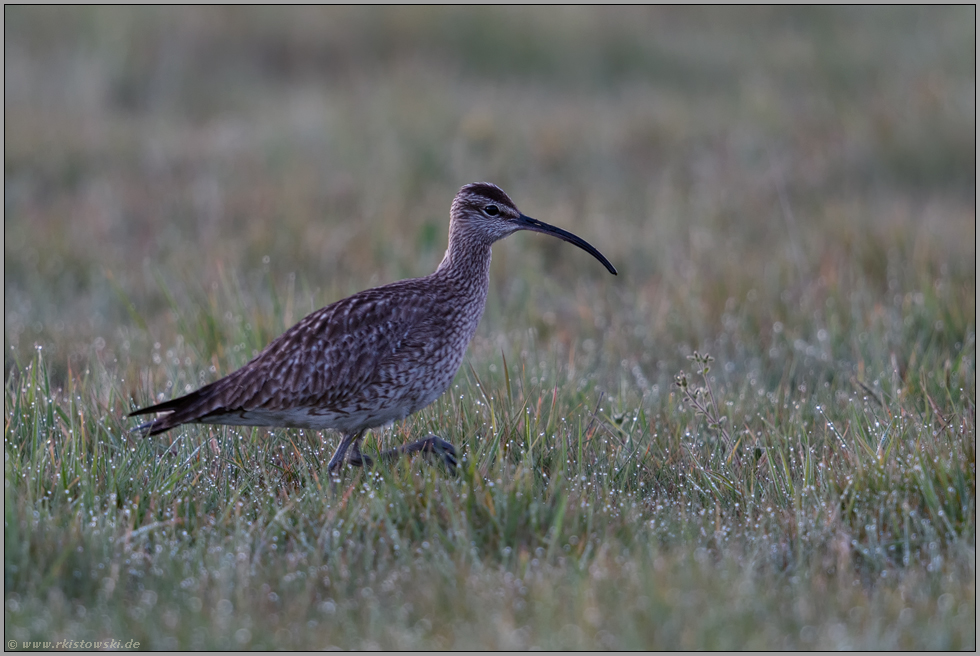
{"x": 790, "y": 192}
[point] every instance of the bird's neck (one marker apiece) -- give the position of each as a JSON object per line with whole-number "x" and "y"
{"x": 467, "y": 260}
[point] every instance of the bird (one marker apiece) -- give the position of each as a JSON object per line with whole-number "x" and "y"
{"x": 377, "y": 356}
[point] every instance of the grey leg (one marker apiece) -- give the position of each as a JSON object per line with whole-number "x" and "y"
{"x": 432, "y": 445}
{"x": 340, "y": 455}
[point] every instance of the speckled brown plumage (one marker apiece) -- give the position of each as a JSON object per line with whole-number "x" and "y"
{"x": 374, "y": 357}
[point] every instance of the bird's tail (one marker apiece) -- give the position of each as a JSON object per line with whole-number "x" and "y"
{"x": 182, "y": 410}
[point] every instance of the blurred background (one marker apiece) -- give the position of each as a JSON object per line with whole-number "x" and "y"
{"x": 753, "y": 173}
{"x": 792, "y": 190}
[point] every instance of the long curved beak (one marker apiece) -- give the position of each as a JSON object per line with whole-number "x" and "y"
{"x": 527, "y": 223}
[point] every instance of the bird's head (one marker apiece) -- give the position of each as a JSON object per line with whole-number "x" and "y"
{"x": 483, "y": 211}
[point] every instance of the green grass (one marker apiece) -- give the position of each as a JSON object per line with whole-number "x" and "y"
{"x": 789, "y": 191}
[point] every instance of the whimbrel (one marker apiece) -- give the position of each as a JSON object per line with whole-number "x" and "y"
{"x": 374, "y": 357}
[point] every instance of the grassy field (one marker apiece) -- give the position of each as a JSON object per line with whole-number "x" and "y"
{"x": 789, "y": 191}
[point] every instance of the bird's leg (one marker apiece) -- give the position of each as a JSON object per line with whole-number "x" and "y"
{"x": 349, "y": 451}
{"x": 358, "y": 459}
{"x": 340, "y": 455}
{"x": 433, "y": 444}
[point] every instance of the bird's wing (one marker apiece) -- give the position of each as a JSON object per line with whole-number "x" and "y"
{"x": 330, "y": 357}
{"x": 325, "y": 361}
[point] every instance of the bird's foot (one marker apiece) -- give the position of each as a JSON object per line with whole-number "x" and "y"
{"x": 435, "y": 445}
{"x": 358, "y": 459}
{"x": 432, "y": 445}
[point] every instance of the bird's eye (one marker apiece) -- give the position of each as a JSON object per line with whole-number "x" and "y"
{"x": 491, "y": 210}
